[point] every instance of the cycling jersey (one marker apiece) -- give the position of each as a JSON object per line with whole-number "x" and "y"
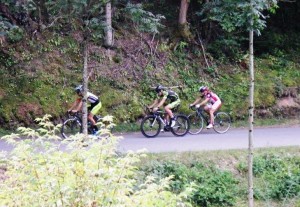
{"x": 92, "y": 98}
{"x": 213, "y": 98}
{"x": 94, "y": 101}
{"x": 170, "y": 95}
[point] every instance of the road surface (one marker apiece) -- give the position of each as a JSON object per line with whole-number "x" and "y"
{"x": 206, "y": 140}
{"x": 210, "y": 140}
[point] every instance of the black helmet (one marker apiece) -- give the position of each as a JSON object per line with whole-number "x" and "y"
{"x": 203, "y": 88}
{"x": 79, "y": 89}
{"x": 159, "y": 88}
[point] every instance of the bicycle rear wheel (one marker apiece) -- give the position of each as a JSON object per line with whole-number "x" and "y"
{"x": 150, "y": 126}
{"x": 196, "y": 123}
{"x": 182, "y": 126}
{"x": 71, "y": 127}
{"x": 222, "y": 122}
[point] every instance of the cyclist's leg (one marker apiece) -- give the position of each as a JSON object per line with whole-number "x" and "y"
{"x": 213, "y": 109}
{"x": 94, "y": 111}
{"x": 169, "y": 108}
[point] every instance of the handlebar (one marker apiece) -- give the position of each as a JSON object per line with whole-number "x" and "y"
{"x": 193, "y": 108}
{"x": 73, "y": 114}
{"x": 150, "y": 110}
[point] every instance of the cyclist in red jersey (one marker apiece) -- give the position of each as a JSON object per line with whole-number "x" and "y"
{"x": 211, "y": 101}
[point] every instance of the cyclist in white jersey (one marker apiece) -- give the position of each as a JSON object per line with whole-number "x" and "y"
{"x": 211, "y": 101}
{"x": 93, "y": 108}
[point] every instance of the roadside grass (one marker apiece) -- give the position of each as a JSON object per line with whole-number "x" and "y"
{"x": 127, "y": 127}
{"x": 225, "y": 159}
{"x": 235, "y": 162}
{"x": 4, "y": 132}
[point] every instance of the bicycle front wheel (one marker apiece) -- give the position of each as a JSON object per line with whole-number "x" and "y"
{"x": 150, "y": 126}
{"x": 222, "y": 122}
{"x": 182, "y": 126}
{"x": 71, "y": 127}
{"x": 196, "y": 123}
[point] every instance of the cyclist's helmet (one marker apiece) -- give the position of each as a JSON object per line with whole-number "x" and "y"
{"x": 79, "y": 89}
{"x": 203, "y": 88}
{"x": 159, "y": 88}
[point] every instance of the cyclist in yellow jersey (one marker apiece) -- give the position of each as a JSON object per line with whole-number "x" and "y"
{"x": 162, "y": 96}
{"x": 93, "y": 108}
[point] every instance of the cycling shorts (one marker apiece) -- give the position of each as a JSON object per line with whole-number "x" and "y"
{"x": 214, "y": 106}
{"x": 173, "y": 104}
{"x": 94, "y": 109}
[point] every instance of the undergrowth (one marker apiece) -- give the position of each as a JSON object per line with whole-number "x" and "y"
{"x": 42, "y": 81}
{"x": 220, "y": 177}
{"x": 79, "y": 171}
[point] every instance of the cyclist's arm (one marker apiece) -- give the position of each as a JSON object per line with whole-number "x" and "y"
{"x": 77, "y": 105}
{"x": 73, "y": 105}
{"x": 153, "y": 104}
{"x": 196, "y": 101}
{"x": 204, "y": 102}
{"x": 162, "y": 101}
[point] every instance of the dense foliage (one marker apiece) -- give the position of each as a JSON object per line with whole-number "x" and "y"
{"x": 78, "y": 172}
{"x": 277, "y": 177}
{"x": 221, "y": 181}
{"x": 41, "y": 58}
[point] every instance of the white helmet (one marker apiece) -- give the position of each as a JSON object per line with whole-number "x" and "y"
{"x": 79, "y": 89}
{"x": 203, "y": 88}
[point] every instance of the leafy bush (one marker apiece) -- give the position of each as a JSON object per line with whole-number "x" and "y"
{"x": 228, "y": 47}
{"x": 277, "y": 177}
{"x": 86, "y": 173}
{"x": 144, "y": 21}
{"x": 212, "y": 187}
{"x": 15, "y": 34}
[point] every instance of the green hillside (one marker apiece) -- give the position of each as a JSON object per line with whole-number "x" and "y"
{"x": 39, "y": 67}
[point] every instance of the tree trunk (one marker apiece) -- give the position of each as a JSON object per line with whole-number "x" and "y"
{"x": 184, "y": 5}
{"x": 183, "y": 26}
{"x": 109, "y": 31}
{"x": 251, "y": 119}
{"x": 85, "y": 87}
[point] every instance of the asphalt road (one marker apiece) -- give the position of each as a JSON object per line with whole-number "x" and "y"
{"x": 206, "y": 140}
{"x": 210, "y": 140}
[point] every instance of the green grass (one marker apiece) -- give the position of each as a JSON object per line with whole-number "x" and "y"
{"x": 4, "y": 132}
{"x": 127, "y": 127}
{"x": 230, "y": 160}
{"x": 218, "y": 156}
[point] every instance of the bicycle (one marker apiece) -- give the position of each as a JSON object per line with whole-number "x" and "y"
{"x": 152, "y": 124}
{"x": 222, "y": 121}
{"x": 73, "y": 125}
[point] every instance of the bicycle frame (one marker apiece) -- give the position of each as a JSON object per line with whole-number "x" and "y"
{"x": 158, "y": 115}
{"x": 221, "y": 125}
{"x": 78, "y": 115}
{"x": 75, "y": 119}
{"x": 200, "y": 112}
